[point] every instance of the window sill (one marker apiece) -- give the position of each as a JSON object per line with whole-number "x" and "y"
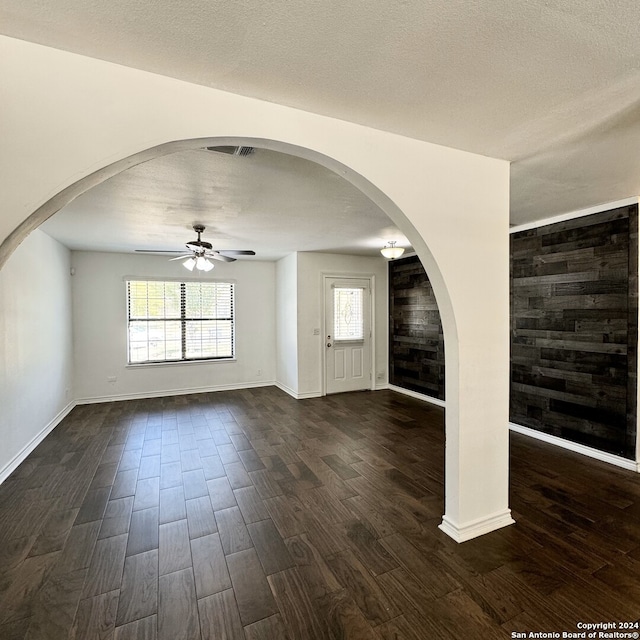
{"x": 139, "y": 365}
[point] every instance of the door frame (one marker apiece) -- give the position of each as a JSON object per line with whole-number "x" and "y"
{"x": 323, "y": 355}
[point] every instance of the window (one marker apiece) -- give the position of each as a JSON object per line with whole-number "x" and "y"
{"x": 180, "y": 321}
{"x": 348, "y": 308}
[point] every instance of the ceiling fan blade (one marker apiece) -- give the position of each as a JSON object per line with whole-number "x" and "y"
{"x": 158, "y": 251}
{"x": 215, "y": 255}
{"x": 186, "y": 255}
{"x": 235, "y": 252}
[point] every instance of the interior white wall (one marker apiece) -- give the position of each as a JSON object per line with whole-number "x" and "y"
{"x": 66, "y": 117}
{"x": 100, "y": 329}
{"x": 287, "y": 324}
{"x": 311, "y": 267}
{"x": 36, "y": 355}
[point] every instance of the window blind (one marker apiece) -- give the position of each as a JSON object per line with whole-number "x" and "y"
{"x": 179, "y": 321}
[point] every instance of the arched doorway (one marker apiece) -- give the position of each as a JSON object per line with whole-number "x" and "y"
{"x": 453, "y": 206}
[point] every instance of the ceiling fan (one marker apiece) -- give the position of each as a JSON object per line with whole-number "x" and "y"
{"x": 201, "y": 252}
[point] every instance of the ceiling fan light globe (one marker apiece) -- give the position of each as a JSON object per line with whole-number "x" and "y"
{"x": 202, "y": 264}
{"x": 189, "y": 263}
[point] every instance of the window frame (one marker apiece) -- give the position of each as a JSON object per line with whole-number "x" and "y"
{"x": 183, "y": 320}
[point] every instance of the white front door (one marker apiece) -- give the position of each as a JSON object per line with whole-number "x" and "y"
{"x": 347, "y": 336}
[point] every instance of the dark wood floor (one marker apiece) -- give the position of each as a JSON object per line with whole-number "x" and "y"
{"x": 251, "y": 515}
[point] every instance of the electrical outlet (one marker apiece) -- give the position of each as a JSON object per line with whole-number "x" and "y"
{"x": 259, "y": 372}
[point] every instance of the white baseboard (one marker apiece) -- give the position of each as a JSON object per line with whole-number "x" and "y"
{"x": 417, "y": 396}
{"x": 294, "y": 394}
{"x": 317, "y": 394}
{"x": 610, "y": 458}
{"x": 476, "y": 528}
{"x": 15, "y": 462}
{"x": 174, "y": 392}
{"x": 310, "y": 394}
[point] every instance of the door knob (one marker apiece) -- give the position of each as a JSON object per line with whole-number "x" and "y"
{"x": 328, "y": 344}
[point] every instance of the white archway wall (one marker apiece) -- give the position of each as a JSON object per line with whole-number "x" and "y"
{"x": 65, "y": 116}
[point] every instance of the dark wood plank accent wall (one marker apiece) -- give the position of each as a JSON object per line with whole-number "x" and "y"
{"x": 416, "y": 341}
{"x": 574, "y": 329}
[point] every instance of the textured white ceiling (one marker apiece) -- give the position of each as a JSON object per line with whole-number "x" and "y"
{"x": 552, "y": 85}
{"x": 269, "y": 202}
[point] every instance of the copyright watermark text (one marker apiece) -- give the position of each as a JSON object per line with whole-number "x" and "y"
{"x": 587, "y": 630}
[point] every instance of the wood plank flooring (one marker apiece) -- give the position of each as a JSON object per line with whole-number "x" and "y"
{"x": 249, "y": 515}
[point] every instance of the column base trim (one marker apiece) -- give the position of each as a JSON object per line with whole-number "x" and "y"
{"x": 462, "y": 533}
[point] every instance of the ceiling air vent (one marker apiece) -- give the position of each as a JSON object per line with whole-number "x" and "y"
{"x": 233, "y": 151}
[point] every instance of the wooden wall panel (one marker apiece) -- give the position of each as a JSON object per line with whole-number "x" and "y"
{"x": 574, "y": 333}
{"x": 416, "y": 341}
